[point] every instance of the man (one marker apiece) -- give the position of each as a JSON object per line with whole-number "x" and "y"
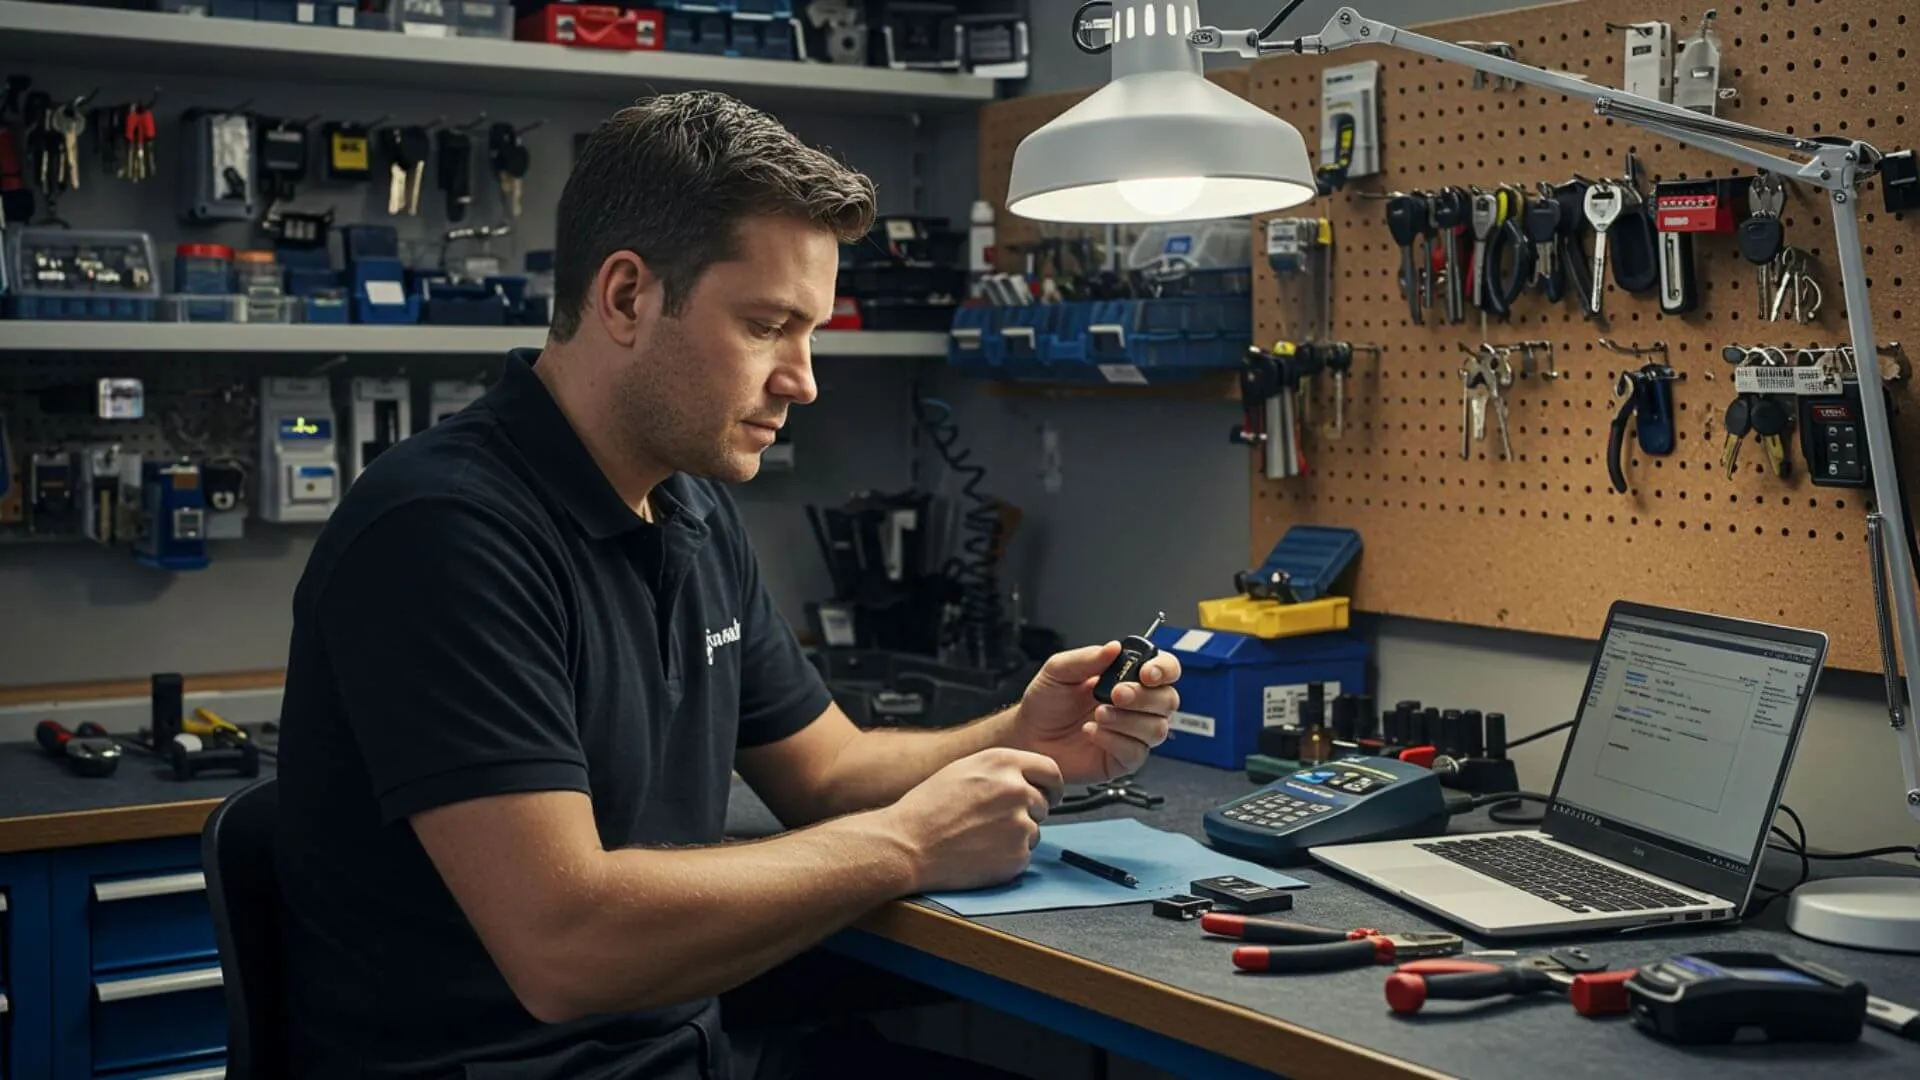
{"x": 532, "y": 645}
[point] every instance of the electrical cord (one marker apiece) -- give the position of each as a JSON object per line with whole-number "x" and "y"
{"x": 1497, "y": 814}
{"x": 1796, "y": 845}
{"x": 1541, "y": 734}
{"x": 1280, "y": 18}
{"x": 976, "y": 572}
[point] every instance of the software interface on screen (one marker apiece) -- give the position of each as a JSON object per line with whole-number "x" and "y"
{"x": 1684, "y": 733}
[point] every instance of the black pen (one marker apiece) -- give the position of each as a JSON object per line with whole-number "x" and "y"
{"x": 1095, "y": 866}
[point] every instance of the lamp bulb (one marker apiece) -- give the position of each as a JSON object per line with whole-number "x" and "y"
{"x": 1162, "y": 196}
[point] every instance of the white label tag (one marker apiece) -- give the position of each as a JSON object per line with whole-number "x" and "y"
{"x": 1771, "y": 379}
{"x": 303, "y": 13}
{"x": 1280, "y": 705}
{"x": 1193, "y": 641}
{"x": 1191, "y": 723}
{"x": 1123, "y": 373}
{"x": 1815, "y": 380}
{"x": 385, "y": 292}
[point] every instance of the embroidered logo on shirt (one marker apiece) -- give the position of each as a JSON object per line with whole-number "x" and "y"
{"x": 726, "y": 635}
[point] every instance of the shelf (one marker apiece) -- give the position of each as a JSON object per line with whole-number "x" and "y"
{"x": 130, "y": 337}
{"x": 43, "y": 33}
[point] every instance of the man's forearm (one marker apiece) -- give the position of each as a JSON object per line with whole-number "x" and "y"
{"x": 880, "y": 765}
{"x": 657, "y": 926}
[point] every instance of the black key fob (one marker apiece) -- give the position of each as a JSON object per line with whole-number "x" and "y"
{"x": 1135, "y": 651}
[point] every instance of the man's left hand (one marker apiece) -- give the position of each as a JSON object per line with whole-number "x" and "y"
{"x": 1059, "y": 717}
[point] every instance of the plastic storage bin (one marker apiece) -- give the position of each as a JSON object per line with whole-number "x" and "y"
{"x": 60, "y": 273}
{"x": 1233, "y": 685}
{"x": 202, "y": 270}
{"x": 483, "y": 18}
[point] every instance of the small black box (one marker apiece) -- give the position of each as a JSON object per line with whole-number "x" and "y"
{"x": 1241, "y": 896}
{"x": 1900, "y": 181}
{"x": 1181, "y": 906}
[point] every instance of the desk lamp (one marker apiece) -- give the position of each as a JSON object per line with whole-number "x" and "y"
{"x": 1161, "y": 143}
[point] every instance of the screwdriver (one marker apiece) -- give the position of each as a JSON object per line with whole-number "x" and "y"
{"x": 1135, "y": 650}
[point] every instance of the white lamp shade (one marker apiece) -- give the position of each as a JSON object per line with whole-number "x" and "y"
{"x": 1159, "y": 146}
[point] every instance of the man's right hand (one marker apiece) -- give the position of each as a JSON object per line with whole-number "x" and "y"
{"x": 975, "y": 822}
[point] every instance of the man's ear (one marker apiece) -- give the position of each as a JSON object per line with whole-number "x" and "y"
{"x": 627, "y": 297}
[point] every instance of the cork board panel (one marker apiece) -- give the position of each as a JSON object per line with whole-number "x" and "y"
{"x": 1002, "y": 125}
{"x": 1542, "y": 543}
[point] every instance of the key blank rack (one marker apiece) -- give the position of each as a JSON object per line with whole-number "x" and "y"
{"x": 1542, "y": 543}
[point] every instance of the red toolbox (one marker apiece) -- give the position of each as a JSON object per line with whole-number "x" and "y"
{"x": 594, "y": 26}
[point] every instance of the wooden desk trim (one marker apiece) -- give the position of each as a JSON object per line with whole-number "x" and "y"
{"x": 34, "y": 694}
{"x": 111, "y": 825}
{"x": 1226, "y": 1029}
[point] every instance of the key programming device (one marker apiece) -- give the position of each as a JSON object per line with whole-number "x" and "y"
{"x": 299, "y": 462}
{"x": 1346, "y": 801}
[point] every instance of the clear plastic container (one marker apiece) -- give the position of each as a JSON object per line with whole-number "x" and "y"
{"x": 257, "y": 277}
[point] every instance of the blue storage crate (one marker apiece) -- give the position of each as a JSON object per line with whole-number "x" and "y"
{"x": 1233, "y": 685}
{"x": 82, "y": 308}
{"x": 966, "y": 339}
{"x": 724, "y": 7}
{"x": 274, "y": 11}
{"x": 765, "y": 9}
{"x": 233, "y": 9}
{"x": 1020, "y": 333}
{"x": 1067, "y": 341}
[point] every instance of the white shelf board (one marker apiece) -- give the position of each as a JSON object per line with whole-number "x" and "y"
{"x": 134, "y": 337}
{"x": 142, "y": 41}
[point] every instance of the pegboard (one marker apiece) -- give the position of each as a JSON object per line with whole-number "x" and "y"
{"x": 1542, "y": 543}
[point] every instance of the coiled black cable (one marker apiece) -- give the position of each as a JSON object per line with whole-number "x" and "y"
{"x": 976, "y": 570}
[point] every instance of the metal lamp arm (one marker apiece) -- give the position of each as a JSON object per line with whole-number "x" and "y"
{"x": 1833, "y": 166}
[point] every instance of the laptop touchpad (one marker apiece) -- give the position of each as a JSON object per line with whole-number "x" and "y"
{"x": 1442, "y": 881}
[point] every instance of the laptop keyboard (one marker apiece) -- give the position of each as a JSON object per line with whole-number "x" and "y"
{"x": 1553, "y": 874}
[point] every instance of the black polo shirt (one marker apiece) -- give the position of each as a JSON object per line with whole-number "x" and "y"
{"x": 484, "y": 615}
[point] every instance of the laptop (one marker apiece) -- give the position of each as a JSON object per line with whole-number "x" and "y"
{"x": 1666, "y": 790}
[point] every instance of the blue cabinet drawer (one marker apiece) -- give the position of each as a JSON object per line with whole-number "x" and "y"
{"x": 173, "y": 1018}
{"x": 149, "y": 919}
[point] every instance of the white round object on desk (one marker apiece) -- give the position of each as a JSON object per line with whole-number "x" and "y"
{"x": 1863, "y": 912}
{"x": 189, "y": 742}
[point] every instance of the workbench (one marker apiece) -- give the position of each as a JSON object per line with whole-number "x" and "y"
{"x": 1160, "y": 991}
{"x": 1117, "y": 977}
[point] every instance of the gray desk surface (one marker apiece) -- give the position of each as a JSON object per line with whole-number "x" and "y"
{"x": 1513, "y": 1039}
{"x": 43, "y": 805}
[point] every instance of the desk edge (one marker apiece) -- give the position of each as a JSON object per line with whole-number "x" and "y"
{"x": 108, "y": 825}
{"x": 1222, "y": 1027}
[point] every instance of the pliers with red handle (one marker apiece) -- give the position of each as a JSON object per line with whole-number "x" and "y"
{"x": 1593, "y": 990}
{"x": 1312, "y": 948}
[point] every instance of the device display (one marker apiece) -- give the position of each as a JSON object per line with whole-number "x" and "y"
{"x": 1345, "y": 801}
{"x": 1711, "y": 997}
{"x": 1685, "y": 736}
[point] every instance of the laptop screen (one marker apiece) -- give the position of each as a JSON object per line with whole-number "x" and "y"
{"x": 1686, "y": 733}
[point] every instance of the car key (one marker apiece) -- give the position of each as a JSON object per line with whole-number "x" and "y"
{"x": 1406, "y": 219}
{"x": 1542, "y": 226}
{"x": 1770, "y": 420}
{"x": 1135, "y": 650}
{"x": 1604, "y": 203}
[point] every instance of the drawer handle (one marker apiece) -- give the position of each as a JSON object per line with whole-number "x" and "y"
{"x": 218, "y": 1072}
{"x": 137, "y": 888}
{"x": 111, "y": 990}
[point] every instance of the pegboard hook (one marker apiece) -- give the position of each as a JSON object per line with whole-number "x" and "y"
{"x": 1659, "y": 347}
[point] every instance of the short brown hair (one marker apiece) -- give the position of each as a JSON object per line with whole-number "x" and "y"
{"x": 669, "y": 178}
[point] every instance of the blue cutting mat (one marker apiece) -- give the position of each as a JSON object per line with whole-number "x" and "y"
{"x": 1165, "y": 862}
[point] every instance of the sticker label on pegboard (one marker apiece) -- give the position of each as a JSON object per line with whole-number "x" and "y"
{"x": 1281, "y": 704}
{"x": 1123, "y": 373}
{"x": 1769, "y": 379}
{"x": 1191, "y": 723}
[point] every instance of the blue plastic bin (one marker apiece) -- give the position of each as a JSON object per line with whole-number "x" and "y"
{"x": 1232, "y": 685}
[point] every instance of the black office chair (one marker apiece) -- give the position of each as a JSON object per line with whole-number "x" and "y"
{"x": 236, "y": 847}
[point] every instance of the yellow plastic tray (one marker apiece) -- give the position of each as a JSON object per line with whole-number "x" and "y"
{"x": 1273, "y": 619}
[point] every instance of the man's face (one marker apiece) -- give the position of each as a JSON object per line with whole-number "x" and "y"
{"x": 706, "y": 391}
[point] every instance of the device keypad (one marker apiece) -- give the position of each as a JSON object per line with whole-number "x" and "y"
{"x": 1275, "y": 810}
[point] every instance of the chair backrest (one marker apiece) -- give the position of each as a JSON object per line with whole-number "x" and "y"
{"x": 243, "y": 888}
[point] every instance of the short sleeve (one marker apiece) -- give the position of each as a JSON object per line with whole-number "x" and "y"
{"x": 445, "y": 633}
{"x": 780, "y": 690}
